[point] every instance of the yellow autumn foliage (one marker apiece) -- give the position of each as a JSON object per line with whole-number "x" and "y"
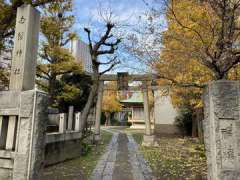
{"x": 110, "y": 101}
{"x": 184, "y": 49}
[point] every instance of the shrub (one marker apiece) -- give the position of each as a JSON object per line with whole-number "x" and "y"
{"x": 184, "y": 120}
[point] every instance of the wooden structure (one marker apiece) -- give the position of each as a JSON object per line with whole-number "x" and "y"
{"x": 135, "y": 107}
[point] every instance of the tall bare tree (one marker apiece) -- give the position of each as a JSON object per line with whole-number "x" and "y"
{"x": 107, "y": 44}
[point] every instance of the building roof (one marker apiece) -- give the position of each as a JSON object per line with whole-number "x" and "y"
{"x": 137, "y": 97}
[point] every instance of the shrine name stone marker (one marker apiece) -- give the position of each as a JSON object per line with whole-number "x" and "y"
{"x": 23, "y": 68}
{"x": 222, "y": 129}
{"x": 23, "y": 110}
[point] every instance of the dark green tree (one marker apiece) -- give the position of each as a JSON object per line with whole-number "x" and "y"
{"x": 56, "y": 60}
{"x": 73, "y": 90}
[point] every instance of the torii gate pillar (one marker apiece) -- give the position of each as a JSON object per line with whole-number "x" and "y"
{"x": 149, "y": 137}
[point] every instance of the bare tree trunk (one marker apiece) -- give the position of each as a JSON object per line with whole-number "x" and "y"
{"x": 96, "y": 50}
{"x": 108, "y": 119}
{"x": 90, "y": 102}
{"x": 52, "y": 87}
{"x": 194, "y": 127}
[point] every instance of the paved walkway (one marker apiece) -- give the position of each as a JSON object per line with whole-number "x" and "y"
{"x": 122, "y": 161}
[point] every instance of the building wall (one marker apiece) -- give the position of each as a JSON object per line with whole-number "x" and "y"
{"x": 138, "y": 113}
{"x": 164, "y": 114}
{"x": 164, "y": 111}
{"x": 81, "y": 52}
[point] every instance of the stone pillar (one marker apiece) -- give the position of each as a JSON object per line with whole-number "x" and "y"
{"x": 24, "y": 109}
{"x": 146, "y": 112}
{"x": 3, "y": 131}
{"x": 23, "y": 68}
{"x": 62, "y": 123}
{"x": 149, "y": 138}
{"x": 78, "y": 122}
{"x": 98, "y": 111}
{"x": 70, "y": 118}
{"x": 30, "y": 142}
{"x": 222, "y": 129}
{"x": 11, "y": 133}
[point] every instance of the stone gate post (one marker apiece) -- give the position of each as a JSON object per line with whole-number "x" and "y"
{"x": 23, "y": 110}
{"x": 70, "y": 118}
{"x": 222, "y": 129}
{"x": 148, "y": 138}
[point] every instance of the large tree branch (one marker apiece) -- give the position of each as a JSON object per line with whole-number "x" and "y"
{"x": 180, "y": 84}
{"x": 112, "y": 44}
{"x": 109, "y": 62}
{"x": 113, "y": 47}
{"x": 39, "y": 83}
{"x": 47, "y": 76}
{"x": 42, "y": 2}
{"x": 184, "y": 26}
{"x": 231, "y": 65}
{"x": 110, "y": 51}
{"x": 110, "y": 68}
{"x": 89, "y": 39}
{"x": 106, "y": 36}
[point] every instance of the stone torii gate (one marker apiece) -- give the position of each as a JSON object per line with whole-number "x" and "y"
{"x": 149, "y": 137}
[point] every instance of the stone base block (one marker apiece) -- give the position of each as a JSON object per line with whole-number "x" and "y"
{"x": 167, "y": 130}
{"x": 149, "y": 140}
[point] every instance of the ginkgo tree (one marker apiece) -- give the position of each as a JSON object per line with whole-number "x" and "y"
{"x": 200, "y": 43}
{"x": 206, "y": 32}
{"x": 180, "y": 58}
{"x": 111, "y": 101}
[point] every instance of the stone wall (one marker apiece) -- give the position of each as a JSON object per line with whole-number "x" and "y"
{"x": 22, "y": 134}
{"x": 166, "y": 130}
{"x": 65, "y": 144}
{"x": 61, "y": 151}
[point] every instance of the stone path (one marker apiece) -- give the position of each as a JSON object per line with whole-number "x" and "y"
{"x": 122, "y": 161}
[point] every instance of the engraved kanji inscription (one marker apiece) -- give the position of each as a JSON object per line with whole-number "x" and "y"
{"x": 228, "y": 153}
{"x": 17, "y": 71}
{"x": 20, "y": 36}
{"x": 227, "y": 131}
{"x": 22, "y": 20}
{"x": 19, "y": 52}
